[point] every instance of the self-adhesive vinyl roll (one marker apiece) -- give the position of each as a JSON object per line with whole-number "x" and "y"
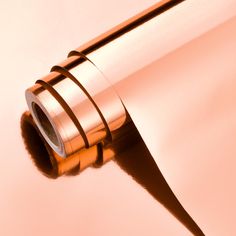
{"x": 172, "y": 66}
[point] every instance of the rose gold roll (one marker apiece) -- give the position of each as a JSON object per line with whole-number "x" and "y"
{"x": 132, "y": 68}
{"x": 82, "y": 84}
{"x": 75, "y": 107}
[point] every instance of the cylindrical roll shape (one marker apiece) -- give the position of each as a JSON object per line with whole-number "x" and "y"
{"x": 165, "y": 68}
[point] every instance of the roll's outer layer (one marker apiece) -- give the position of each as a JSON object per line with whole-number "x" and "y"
{"x": 184, "y": 108}
{"x": 175, "y": 74}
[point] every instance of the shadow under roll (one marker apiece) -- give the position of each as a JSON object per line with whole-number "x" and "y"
{"x": 128, "y": 150}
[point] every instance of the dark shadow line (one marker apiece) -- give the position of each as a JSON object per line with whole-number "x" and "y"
{"x": 137, "y": 162}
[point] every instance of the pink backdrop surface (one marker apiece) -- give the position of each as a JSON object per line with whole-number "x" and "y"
{"x": 34, "y": 36}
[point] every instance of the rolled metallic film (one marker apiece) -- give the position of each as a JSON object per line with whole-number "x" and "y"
{"x": 77, "y": 98}
{"x": 81, "y": 102}
{"x": 77, "y": 119}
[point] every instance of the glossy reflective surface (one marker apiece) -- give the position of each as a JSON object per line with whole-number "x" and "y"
{"x": 103, "y": 201}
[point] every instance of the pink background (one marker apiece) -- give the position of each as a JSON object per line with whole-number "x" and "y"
{"x": 34, "y": 36}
